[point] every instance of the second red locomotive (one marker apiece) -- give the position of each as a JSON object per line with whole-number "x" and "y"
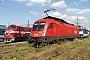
{"x": 14, "y": 32}
{"x": 51, "y": 29}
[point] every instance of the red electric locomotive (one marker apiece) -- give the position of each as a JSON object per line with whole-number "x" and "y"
{"x": 51, "y": 29}
{"x": 14, "y": 32}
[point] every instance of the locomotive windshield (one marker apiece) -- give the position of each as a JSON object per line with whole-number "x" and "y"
{"x": 12, "y": 26}
{"x": 80, "y": 29}
{"x": 38, "y": 26}
{"x": 84, "y": 31}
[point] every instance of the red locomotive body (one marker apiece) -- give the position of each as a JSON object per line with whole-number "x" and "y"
{"x": 14, "y": 32}
{"x": 51, "y": 29}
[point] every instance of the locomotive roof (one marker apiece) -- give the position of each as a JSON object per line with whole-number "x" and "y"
{"x": 57, "y": 19}
{"x": 3, "y": 27}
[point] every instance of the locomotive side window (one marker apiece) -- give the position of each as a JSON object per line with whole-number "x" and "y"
{"x": 38, "y": 26}
{"x": 23, "y": 28}
{"x": 50, "y": 26}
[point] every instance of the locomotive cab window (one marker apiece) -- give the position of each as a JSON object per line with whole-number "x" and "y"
{"x": 2, "y": 31}
{"x": 85, "y": 31}
{"x": 50, "y": 26}
{"x": 38, "y": 25}
{"x": 12, "y": 26}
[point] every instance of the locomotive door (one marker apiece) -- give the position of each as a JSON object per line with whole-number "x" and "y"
{"x": 18, "y": 33}
{"x": 55, "y": 29}
{"x": 22, "y": 31}
{"x": 51, "y": 30}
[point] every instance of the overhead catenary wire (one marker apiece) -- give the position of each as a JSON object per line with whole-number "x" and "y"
{"x": 13, "y": 9}
{"x": 13, "y": 2}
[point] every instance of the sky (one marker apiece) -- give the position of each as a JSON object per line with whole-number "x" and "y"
{"x": 20, "y": 11}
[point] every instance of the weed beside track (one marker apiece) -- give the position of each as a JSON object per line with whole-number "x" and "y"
{"x": 70, "y": 50}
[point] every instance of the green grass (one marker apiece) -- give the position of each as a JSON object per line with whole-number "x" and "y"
{"x": 70, "y": 50}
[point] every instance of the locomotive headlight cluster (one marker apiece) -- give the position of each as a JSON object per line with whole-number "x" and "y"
{"x": 43, "y": 33}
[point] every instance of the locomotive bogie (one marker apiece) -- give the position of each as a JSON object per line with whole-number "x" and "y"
{"x": 8, "y": 40}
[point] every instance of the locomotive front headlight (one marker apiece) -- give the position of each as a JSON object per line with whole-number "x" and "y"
{"x": 43, "y": 33}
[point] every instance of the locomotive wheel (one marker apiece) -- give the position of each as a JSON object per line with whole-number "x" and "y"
{"x": 43, "y": 44}
{"x": 29, "y": 42}
{"x": 36, "y": 45}
{"x": 54, "y": 42}
{"x": 71, "y": 39}
{"x": 59, "y": 42}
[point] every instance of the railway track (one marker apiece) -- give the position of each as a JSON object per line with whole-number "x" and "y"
{"x": 2, "y": 44}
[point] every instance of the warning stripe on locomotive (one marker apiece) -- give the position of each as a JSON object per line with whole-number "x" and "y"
{"x": 22, "y": 32}
{"x": 14, "y": 31}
